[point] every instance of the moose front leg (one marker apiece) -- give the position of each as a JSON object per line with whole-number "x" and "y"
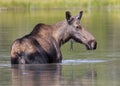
{"x": 59, "y": 57}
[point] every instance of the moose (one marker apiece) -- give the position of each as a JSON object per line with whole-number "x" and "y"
{"x": 42, "y": 45}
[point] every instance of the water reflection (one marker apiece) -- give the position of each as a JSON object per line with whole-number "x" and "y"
{"x": 50, "y": 75}
{"x": 36, "y": 75}
{"x": 105, "y": 73}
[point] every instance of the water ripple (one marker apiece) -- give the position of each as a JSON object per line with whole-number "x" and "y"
{"x": 82, "y": 61}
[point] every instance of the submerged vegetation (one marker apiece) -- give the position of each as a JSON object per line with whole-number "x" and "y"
{"x": 32, "y": 4}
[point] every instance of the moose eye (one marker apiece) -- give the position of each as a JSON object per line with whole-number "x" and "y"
{"x": 77, "y": 27}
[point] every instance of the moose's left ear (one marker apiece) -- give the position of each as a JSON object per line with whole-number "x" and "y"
{"x": 68, "y": 17}
{"x": 80, "y": 15}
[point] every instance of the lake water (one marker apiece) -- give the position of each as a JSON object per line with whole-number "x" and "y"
{"x": 79, "y": 67}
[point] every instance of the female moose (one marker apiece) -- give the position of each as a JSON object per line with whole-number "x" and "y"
{"x": 43, "y": 44}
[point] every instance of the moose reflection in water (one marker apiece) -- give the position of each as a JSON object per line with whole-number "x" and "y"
{"x": 36, "y": 75}
{"x": 43, "y": 44}
{"x": 51, "y": 75}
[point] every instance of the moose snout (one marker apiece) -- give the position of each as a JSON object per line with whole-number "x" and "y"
{"x": 91, "y": 45}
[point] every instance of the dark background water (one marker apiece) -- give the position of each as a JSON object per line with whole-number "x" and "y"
{"x": 80, "y": 67}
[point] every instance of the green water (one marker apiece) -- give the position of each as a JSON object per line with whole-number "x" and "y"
{"x": 80, "y": 67}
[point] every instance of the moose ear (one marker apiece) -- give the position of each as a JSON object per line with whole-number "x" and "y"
{"x": 68, "y": 17}
{"x": 80, "y": 15}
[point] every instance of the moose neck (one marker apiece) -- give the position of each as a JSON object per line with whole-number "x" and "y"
{"x": 61, "y": 33}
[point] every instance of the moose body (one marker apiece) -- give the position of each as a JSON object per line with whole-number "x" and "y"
{"x": 43, "y": 44}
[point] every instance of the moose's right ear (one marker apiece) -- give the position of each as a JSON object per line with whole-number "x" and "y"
{"x": 68, "y": 17}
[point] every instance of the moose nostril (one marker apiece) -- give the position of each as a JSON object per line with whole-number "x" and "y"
{"x": 92, "y": 44}
{"x": 95, "y": 45}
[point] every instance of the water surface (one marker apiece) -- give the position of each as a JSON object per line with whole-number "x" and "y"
{"x": 92, "y": 73}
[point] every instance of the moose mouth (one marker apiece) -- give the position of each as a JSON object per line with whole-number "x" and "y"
{"x": 91, "y": 45}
